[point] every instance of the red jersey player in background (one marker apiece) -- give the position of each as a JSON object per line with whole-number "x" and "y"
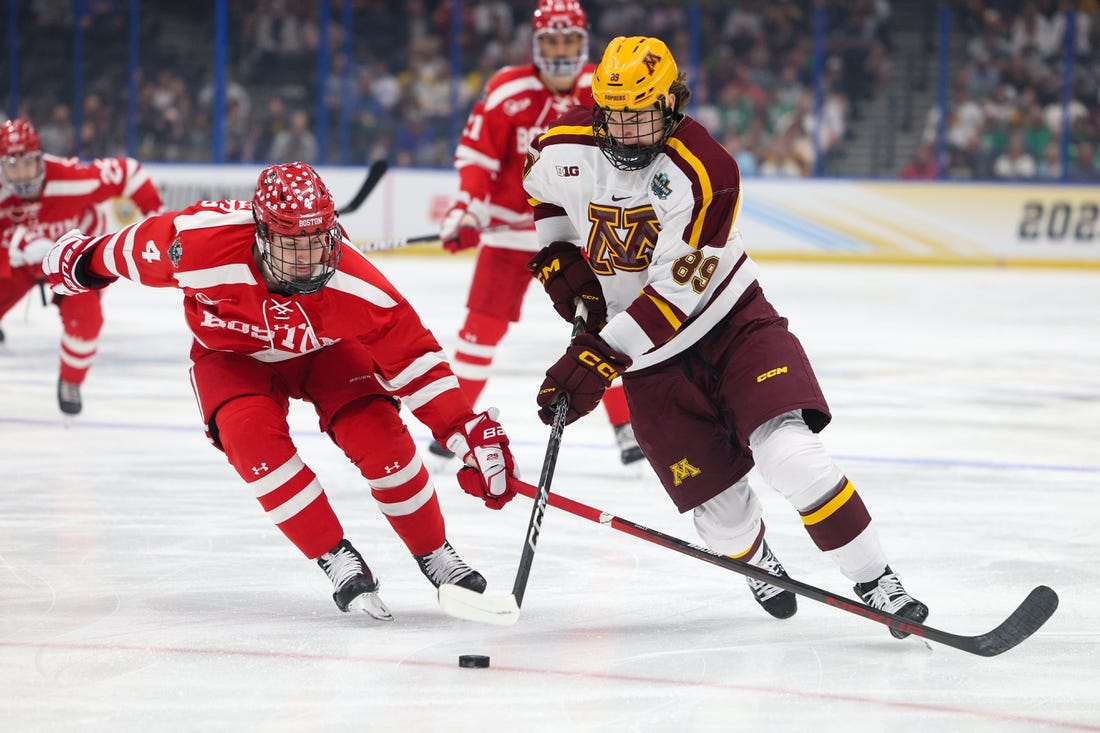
{"x": 518, "y": 103}
{"x": 282, "y": 306}
{"x": 41, "y": 198}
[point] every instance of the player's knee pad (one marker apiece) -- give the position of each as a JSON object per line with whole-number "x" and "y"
{"x": 373, "y": 436}
{"x": 82, "y": 316}
{"x": 730, "y": 522}
{"x": 482, "y": 329}
{"x": 793, "y": 460}
{"x": 251, "y": 428}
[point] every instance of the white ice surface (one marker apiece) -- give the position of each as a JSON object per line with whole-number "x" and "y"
{"x": 142, "y": 589}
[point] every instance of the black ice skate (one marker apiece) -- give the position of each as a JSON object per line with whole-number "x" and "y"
{"x": 355, "y": 586}
{"x": 776, "y": 601}
{"x": 443, "y": 565}
{"x": 68, "y": 397}
{"x": 886, "y": 593}
{"x": 629, "y": 452}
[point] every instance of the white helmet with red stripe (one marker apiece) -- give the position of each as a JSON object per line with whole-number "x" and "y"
{"x": 560, "y": 16}
{"x": 21, "y": 166}
{"x": 296, "y": 230}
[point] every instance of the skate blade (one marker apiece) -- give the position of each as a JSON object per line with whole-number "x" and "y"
{"x": 372, "y": 605}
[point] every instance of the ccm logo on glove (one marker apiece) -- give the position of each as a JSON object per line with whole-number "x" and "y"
{"x": 595, "y": 361}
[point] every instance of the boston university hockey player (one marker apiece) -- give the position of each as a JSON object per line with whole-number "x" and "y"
{"x": 518, "y": 103}
{"x": 42, "y": 197}
{"x": 282, "y": 306}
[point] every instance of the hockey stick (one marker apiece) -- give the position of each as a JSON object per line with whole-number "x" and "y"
{"x": 504, "y": 611}
{"x": 1039, "y": 605}
{"x": 381, "y": 245}
{"x": 377, "y": 169}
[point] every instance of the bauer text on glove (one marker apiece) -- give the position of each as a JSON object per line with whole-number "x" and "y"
{"x": 586, "y": 370}
{"x": 482, "y": 446}
{"x": 66, "y": 265}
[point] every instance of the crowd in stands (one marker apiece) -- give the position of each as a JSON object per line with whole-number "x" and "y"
{"x": 1006, "y": 109}
{"x": 401, "y": 92}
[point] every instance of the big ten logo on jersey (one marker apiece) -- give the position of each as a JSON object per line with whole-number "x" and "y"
{"x": 567, "y": 171}
{"x": 524, "y": 136}
{"x": 607, "y": 251}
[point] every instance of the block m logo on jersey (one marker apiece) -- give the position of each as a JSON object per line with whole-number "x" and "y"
{"x": 607, "y": 251}
{"x": 682, "y": 470}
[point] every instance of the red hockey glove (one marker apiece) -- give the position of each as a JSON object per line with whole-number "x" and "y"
{"x": 25, "y": 249}
{"x": 566, "y": 276}
{"x": 460, "y": 229}
{"x": 583, "y": 373}
{"x": 482, "y": 445}
{"x": 66, "y": 265}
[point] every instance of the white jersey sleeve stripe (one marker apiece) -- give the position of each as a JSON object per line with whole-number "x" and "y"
{"x": 360, "y": 289}
{"x": 465, "y": 155}
{"x": 429, "y": 392}
{"x": 213, "y": 276}
{"x": 419, "y": 367}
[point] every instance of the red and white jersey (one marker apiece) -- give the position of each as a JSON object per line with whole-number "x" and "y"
{"x": 515, "y": 108}
{"x": 73, "y": 198}
{"x": 661, "y": 240}
{"x": 207, "y": 251}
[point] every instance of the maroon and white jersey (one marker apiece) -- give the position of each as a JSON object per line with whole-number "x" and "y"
{"x": 73, "y": 197}
{"x": 661, "y": 240}
{"x": 207, "y": 251}
{"x": 515, "y": 108}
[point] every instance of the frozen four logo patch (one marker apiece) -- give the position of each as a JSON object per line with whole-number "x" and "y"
{"x": 175, "y": 252}
{"x": 660, "y": 186}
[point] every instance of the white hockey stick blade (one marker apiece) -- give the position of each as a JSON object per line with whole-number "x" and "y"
{"x": 466, "y": 604}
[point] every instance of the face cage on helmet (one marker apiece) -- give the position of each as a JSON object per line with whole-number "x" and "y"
{"x": 320, "y": 274}
{"x": 561, "y": 68}
{"x": 620, "y": 153}
{"x": 30, "y": 188}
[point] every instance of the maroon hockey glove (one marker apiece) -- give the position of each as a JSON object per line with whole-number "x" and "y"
{"x": 586, "y": 370}
{"x": 566, "y": 276}
{"x": 483, "y": 447}
{"x": 460, "y": 229}
{"x": 66, "y": 265}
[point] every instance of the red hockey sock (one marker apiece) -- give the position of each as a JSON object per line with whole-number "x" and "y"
{"x": 476, "y": 349}
{"x": 614, "y": 401}
{"x": 254, "y": 434}
{"x": 81, "y": 322}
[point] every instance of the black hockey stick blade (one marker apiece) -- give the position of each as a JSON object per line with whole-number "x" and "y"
{"x": 1039, "y": 605}
{"x": 377, "y": 169}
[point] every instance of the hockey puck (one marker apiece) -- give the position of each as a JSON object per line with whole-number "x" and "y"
{"x": 473, "y": 660}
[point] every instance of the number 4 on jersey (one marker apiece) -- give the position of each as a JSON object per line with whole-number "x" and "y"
{"x": 150, "y": 253}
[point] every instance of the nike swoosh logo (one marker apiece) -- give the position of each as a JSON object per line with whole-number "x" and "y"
{"x": 619, "y": 198}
